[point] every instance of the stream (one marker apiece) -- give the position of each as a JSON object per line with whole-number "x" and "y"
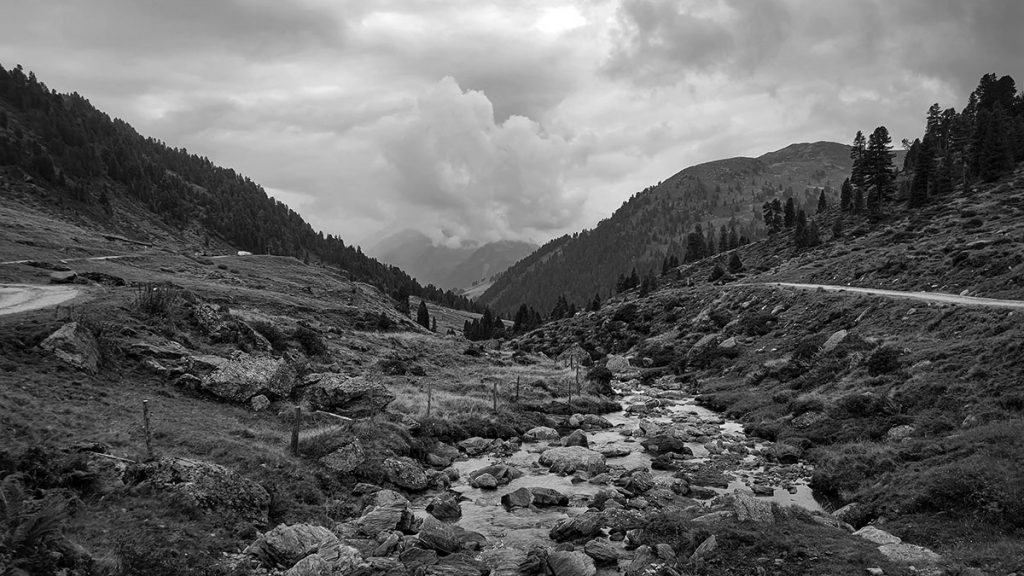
{"x": 723, "y": 459}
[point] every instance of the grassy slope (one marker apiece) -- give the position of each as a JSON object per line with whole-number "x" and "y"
{"x": 955, "y": 483}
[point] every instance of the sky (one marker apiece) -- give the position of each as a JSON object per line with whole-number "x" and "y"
{"x": 483, "y": 120}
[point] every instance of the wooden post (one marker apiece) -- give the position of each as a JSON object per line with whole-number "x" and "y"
{"x": 295, "y": 430}
{"x": 145, "y": 425}
{"x": 570, "y": 398}
{"x": 579, "y": 391}
{"x": 517, "y": 389}
{"x": 430, "y": 398}
{"x": 494, "y": 396}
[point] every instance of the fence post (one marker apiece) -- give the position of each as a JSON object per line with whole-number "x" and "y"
{"x": 570, "y": 397}
{"x": 517, "y": 389}
{"x": 296, "y": 424}
{"x": 145, "y": 426}
{"x": 430, "y": 398}
{"x": 494, "y": 396}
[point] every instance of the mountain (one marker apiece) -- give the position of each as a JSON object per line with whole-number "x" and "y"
{"x": 444, "y": 266}
{"x": 103, "y": 174}
{"x": 724, "y": 195}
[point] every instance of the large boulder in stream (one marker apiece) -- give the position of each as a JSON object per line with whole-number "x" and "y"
{"x": 445, "y": 506}
{"x": 666, "y": 442}
{"x": 571, "y": 564}
{"x": 285, "y": 545}
{"x": 519, "y": 498}
{"x": 588, "y": 421}
{"x": 543, "y": 497}
{"x": 540, "y": 434}
{"x": 586, "y": 525}
{"x": 502, "y": 474}
{"x": 330, "y": 559}
{"x": 576, "y": 438}
{"x": 569, "y": 459}
{"x": 340, "y": 394}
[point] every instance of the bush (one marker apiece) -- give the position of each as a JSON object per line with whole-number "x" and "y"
{"x": 756, "y": 323}
{"x": 312, "y": 343}
{"x": 720, "y": 317}
{"x": 859, "y": 405}
{"x": 843, "y": 469}
{"x": 626, "y": 313}
{"x": 156, "y": 300}
{"x": 884, "y": 360}
{"x": 272, "y": 333}
{"x": 601, "y": 377}
{"x": 807, "y": 348}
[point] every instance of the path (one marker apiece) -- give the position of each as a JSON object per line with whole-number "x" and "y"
{"x": 16, "y": 298}
{"x": 926, "y": 296}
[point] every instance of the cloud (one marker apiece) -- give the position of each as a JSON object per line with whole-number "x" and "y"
{"x": 452, "y": 167}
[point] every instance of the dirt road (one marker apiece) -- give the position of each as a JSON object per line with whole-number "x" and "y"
{"x": 16, "y": 298}
{"x": 926, "y": 296}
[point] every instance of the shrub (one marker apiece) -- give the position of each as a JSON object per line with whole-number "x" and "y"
{"x": 156, "y": 300}
{"x": 312, "y": 343}
{"x": 720, "y": 317}
{"x": 717, "y": 273}
{"x": 884, "y": 360}
{"x": 859, "y": 405}
{"x": 756, "y": 323}
{"x": 843, "y": 469}
{"x": 807, "y": 348}
{"x": 601, "y": 377}
{"x": 272, "y": 333}
{"x": 626, "y": 313}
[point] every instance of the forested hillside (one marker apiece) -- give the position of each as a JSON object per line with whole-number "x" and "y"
{"x": 86, "y": 160}
{"x": 720, "y": 201}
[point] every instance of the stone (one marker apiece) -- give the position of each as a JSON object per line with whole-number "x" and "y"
{"x": 702, "y": 346}
{"x": 356, "y": 397}
{"x": 347, "y": 458}
{"x": 543, "y": 497}
{"x": 899, "y": 433}
{"x": 285, "y": 545}
{"x": 569, "y": 459}
{"x": 848, "y": 513}
{"x": 459, "y": 564}
{"x": 502, "y": 473}
{"x": 388, "y": 510}
{"x": 705, "y": 549}
{"x": 484, "y": 482}
{"x": 877, "y": 536}
{"x": 417, "y": 557}
{"x": 208, "y": 487}
{"x": 762, "y": 490}
{"x": 640, "y": 481}
{"x": 259, "y": 402}
{"x": 585, "y": 525}
{"x": 330, "y": 559}
{"x": 618, "y": 364}
{"x": 665, "y": 442}
{"x": 63, "y": 277}
{"x": 747, "y": 507}
{"x": 165, "y": 350}
{"x": 643, "y": 560}
{"x": 602, "y": 551}
{"x": 239, "y": 379}
{"x": 405, "y": 472}
{"x": 615, "y": 451}
{"x": 438, "y": 536}
{"x": 74, "y": 344}
{"x": 576, "y": 438}
{"x": 588, "y": 421}
{"x": 540, "y": 434}
{"x": 729, "y": 343}
{"x": 909, "y": 554}
{"x": 665, "y": 552}
{"x": 445, "y": 506}
{"x": 475, "y": 446}
{"x": 571, "y": 564}
{"x": 519, "y": 498}
{"x": 833, "y": 341}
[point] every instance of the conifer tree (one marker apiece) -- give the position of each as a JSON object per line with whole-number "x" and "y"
{"x": 423, "y": 315}
{"x": 846, "y": 196}
{"x": 822, "y": 202}
{"x": 857, "y": 155}
{"x": 735, "y": 264}
{"x": 879, "y": 175}
{"x": 923, "y": 172}
{"x": 790, "y": 213}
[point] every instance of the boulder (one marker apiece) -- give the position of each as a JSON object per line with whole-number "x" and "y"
{"x": 356, "y": 397}
{"x": 548, "y": 497}
{"x": 643, "y": 562}
{"x": 729, "y": 343}
{"x": 415, "y": 557}
{"x": 502, "y": 473}
{"x": 519, "y": 498}
{"x": 388, "y": 510}
{"x": 208, "y": 487}
{"x": 76, "y": 345}
{"x": 747, "y": 507}
{"x": 240, "y": 379}
{"x": 259, "y": 402}
{"x": 618, "y": 364}
{"x": 571, "y": 564}
{"x": 285, "y": 545}
{"x": 540, "y": 434}
{"x": 445, "y": 506}
{"x": 705, "y": 549}
{"x": 476, "y": 445}
{"x": 666, "y": 442}
{"x": 639, "y": 481}
{"x": 484, "y": 482}
{"x": 405, "y": 472}
{"x": 877, "y": 536}
{"x": 586, "y": 525}
{"x": 163, "y": 350}
{"x": 440, "y": 537}
{"x": 602, "y": 551}
{"x": 330, "y": 559}
{"x": 899, "y": 433}
{"x": 576, "y": 438}
{"x": 569, "y": 459}
{"x": 347, "y": 458}
{"x": 588, "y": 421}
{"x": 702, "y": 346}
{"x": 833, "y": 341}
{"x": 459, "y": 564}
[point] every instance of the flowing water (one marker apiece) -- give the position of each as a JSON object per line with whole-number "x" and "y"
{"x": 724, "y": 452}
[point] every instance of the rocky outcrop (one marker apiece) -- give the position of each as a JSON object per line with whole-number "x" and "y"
{"x": 502, "y": 474}
{"x": 476, "y": 445}
{"x": 896, "y": 550}
{"x": 388, "y": 510}
{"x": 241, "y": 378}
{"x": 356, "y": 397}
{"x": 540, "y": 434}
{"x": 329, "y": 560}
{"x": 576, "y": 438}
{"x": 586, "y": 525}
{"x": 569, "y": 459}
{"x": 75, "y": 345}
{"x": 207, "y": 486}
